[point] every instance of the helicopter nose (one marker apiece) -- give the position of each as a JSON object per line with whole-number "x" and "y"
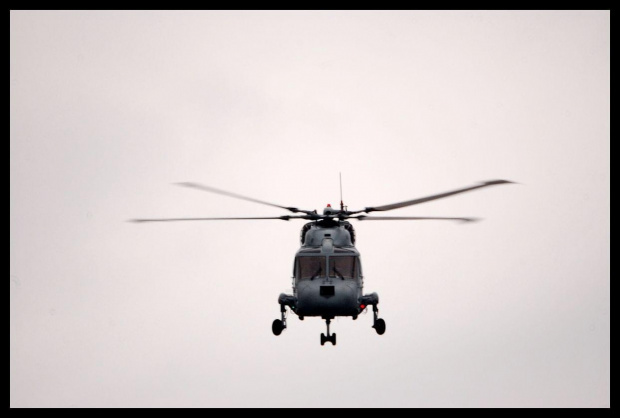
{"x": 326, "y": 298}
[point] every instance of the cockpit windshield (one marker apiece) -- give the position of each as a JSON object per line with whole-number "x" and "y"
{"x": 309, "y": 267}
{"x": 342, "y": 267}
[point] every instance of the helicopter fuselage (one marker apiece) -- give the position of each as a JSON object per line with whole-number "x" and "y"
{"x": 327, "y": 272}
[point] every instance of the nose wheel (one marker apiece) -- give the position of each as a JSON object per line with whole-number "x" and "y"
{"x": 328, "y": 338}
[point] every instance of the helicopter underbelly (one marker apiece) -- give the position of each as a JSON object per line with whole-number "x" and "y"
{"x": 327, "y": 298}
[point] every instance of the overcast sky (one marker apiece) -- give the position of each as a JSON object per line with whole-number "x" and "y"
{"x": 108, "y": 109}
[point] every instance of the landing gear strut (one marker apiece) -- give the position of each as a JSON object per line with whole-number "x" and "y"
{"x": 279, "y": 324}
{"x": 331, "y": 338}
{"x": 284, "y": 300}
{"x": 377, "y": 323}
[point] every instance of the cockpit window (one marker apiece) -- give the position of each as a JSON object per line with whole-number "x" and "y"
{"x": 342, "y": 267}
{"x": 309, "y": 267}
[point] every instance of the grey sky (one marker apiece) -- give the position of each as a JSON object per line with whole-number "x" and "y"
{"x": 109, "y": 108}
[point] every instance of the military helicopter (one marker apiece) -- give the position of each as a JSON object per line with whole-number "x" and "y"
{"x": 327, "y": 271}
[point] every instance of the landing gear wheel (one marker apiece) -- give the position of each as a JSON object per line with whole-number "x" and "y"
{"x": 379, "y": 326}
{"x": 277, "y": 327}
{"x": 329, "y": 337}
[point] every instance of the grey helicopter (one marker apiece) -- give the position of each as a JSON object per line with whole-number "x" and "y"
{"x": 327, "y": 273}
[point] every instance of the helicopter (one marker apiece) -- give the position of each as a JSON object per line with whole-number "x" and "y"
{"x": 327, "y": 277}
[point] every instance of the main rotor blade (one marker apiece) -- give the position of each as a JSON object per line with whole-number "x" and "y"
{"x": 282, "y": 218}
{"x": 429, "y": 198}
{"x": 410, "y": 218}
{"x": 238, "y": 196}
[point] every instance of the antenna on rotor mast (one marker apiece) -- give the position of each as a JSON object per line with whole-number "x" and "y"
{"x": 341, "y": 204}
